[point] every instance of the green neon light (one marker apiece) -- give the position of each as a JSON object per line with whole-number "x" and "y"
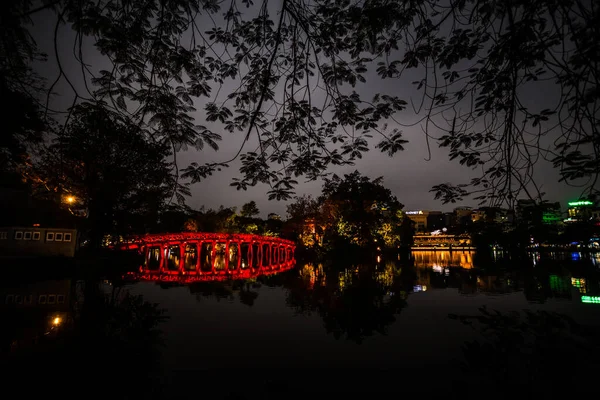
{"x": 590, "y": 299}
{"x": 580, "y": 203}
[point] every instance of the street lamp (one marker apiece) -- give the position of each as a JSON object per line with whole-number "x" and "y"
{"x": 70, "y": 199}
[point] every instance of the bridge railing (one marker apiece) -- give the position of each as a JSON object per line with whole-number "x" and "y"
{"x": 213, "y": 254}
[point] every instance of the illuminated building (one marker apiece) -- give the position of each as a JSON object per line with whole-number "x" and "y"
{"x": 421, "y": 218}
{"x": 552, "y": 214}
{"x": 559, "y": 286}
{"x": 491, "y": 215}
{"x": 478, "y": 216}
{"x": 582, "y": 210}
{"x": 36, "y": 241}
{"x": 441, "y": 241}
{"x": 580, "y": 284}
{"x": 310, "y": 232}
{"x": 590, "y": 299}
{"x": 463, "y": 211}
{"x": 529, "y": 212}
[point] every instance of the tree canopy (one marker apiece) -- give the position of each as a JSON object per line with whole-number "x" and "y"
{"x": 289, "y": 78}
{"x": 109, "y": 168}
{"x": 250, "y": 209}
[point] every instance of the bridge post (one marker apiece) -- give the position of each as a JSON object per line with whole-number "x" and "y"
{"x": 181, "y": 257}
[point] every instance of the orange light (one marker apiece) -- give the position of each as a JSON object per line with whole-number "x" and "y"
{"x": 36, "y": 225}
{"x": 70, "y": 199}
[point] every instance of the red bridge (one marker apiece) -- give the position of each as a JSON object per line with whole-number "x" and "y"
{"x": 192, "y": 256}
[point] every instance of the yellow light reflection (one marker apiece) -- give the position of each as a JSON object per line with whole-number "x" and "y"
{"x": 427, "y": 259}
{"x": 56, "y": 321}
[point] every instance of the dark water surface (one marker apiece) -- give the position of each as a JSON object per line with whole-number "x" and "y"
{"x": 390, "y": 326}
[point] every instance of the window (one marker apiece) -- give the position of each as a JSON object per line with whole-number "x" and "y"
{"x": 3, "y": 235}
{"x": 51, "y": 298}
{"x": 10, "y": 298}
{"x": 274, "y": 255}
{"x": 245, "y": 262}
{"x": 36, "y": 236}
{"x": 190, "y": 258}
{"x": 58, "y": 237}
{"x": 256, "y": 255}
{"x": 153, "y": 260}
{"x": 234, "y": 255}
{"x": 60, "y": 299}
{"x": 49, "y": 236}
{"x": 27, "y": 236}
{"x": 266, "y": 261}
{"x": 220, "y": 256}
{"x": 18, "y": 235}
{"x": 206, "y": 256}
{"x": 67, "y": 237}
{"x": 173, "y": 258}
{"x": 42, "y": 299}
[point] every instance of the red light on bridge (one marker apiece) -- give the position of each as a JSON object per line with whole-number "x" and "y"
{"x": 186, "y": 279}
{"x": 236, "y": 256}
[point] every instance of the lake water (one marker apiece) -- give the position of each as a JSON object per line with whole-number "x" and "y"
{"x": 389, "y": 326}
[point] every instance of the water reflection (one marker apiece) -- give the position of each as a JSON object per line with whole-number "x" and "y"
{"x": 78, "y": 326}
{"x": 117, "y": 325}
{"x": 220, "y": 274}
{"x": 35, "y": 311}
{"x": 532, "y": 351}
{"x": 361, "y": 300}
{"x": 433, "y": 259}
{"x": 354, "y": 303}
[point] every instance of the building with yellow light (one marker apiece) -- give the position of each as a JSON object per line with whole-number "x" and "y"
{"x": 420, "y": 218}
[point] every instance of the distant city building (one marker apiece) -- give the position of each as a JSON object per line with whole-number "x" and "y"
{"x": 582, "y": 210}
{"x": 492, "y": 215}
{"x": 529, "y": 212}
{"x": 436, "y": 220}
{"x": 478, "y": 215}
{"x": 426, "y": 220}
{"x": 463, "y": 211}
{"x": 526, "y": 210}
{"x": 449, "y": 219}
{"x": 552, "y": 214}
{"x": 462, "y": 216}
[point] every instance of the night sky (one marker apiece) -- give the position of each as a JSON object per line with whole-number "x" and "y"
{"x": 408, "y": 174}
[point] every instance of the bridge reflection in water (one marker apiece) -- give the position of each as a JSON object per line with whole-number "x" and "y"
{"x": 196, "y": 257}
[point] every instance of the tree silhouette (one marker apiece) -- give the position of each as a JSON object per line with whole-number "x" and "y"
{"x": 108, "y": 165}
{"x": 298, "y": 68}
{"x": 249, "y": 209}
{"x": 357, "y": 207}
